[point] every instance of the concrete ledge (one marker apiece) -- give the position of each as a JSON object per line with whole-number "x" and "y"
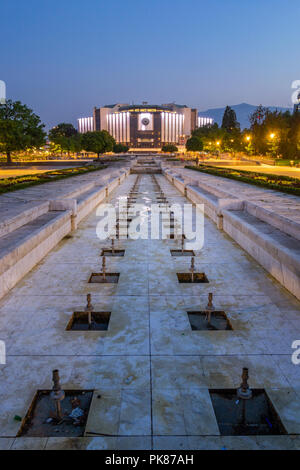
{"x": 17, "y": 262}
{"x": 23, "y": 240}
{"x": 29, "y": 236}
{"x": 89, "y": 201}
{"x": 16, "y": 221}
{"x": 284, "y": 224}
{"x": 278, "y": 253}
{"x": 271, "y": 239}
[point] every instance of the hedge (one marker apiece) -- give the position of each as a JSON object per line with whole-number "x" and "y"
{"x": 281, "y": 183}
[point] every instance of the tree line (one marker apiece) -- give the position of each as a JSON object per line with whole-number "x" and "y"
{"x": 21, "y": 129}
{"x": 272, "y": 133}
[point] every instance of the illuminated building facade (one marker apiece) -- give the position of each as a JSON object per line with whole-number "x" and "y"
{"x": 205, "y": 121}
{"x": 297, "y": 104}
{"x": 143, "y": 126}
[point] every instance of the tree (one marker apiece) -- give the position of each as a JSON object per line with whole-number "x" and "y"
{"x": 66, "y": 136}
{"x": 194, "y": 144}
{"x": 169, "y": 148}
{"x": 97, "y": 142}
{"x": 20, "y": 128}
{"x": 271, "y": 131}
{"x": 120, "y": 148}
{"x": 229, "y": 122}
{"x": 108, "y": 140}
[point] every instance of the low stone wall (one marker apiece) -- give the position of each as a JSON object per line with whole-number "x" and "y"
{"x": 277, "y": 258}
{"x": 13, "y": 223}
{"x": 271, "y": 239}
{"x": 27, "y": 238}
{"x": 25, "y": 255}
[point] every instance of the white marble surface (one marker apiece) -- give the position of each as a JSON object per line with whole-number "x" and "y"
{"x": 153, "y": 372}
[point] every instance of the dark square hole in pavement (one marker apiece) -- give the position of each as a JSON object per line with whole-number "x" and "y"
{"x": 79, "y": 321}
{"x": 187, "y": 278}
{"x": 110, "y": 278}
{"x": 40, "y": 418}
{"x": 254, "y": 417}
{"x": 182, "y": 253}
{"x": 122, "y": 222}
{"x": 109, "y": 252}
{"x": 218, "y": 321}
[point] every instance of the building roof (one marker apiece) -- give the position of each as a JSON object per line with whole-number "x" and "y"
{"x": 144, "y": 106}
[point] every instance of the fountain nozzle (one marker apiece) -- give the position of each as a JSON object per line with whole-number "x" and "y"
{"x": 89, "y": 308}
{"x": 244, "y": 391}
{"x": 57, "y": 394}
{"x": 209, "y": 307}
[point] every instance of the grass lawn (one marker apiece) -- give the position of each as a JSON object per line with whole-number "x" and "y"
{"x": 21, "y": 182}
{"x": 285, "y": 184}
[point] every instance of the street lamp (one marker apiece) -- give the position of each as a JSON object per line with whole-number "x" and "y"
{"x": 272, "y": 135}
{"x": 247, "y": 138}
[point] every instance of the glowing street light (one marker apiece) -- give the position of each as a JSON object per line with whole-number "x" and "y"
{"x": 272, "y": 135}
{"x": 218, "y": 142}
{"x": 247, "y": 138}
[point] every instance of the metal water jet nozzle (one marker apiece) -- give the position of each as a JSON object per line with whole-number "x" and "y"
{"x": 57, "y": 394}
{"x": 89, "y": 308}
{"x": 192, "y": 268}
{"x": 244, "y": 392}
{"x": 182, "y": 243}
{"x": 103, "y": 266}
{"x": 209, "y": 307}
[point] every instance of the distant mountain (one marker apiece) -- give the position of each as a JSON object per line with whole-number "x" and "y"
{"x": 242, "y": 110}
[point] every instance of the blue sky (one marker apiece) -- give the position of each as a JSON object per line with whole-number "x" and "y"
{"x": 65, "y": 57}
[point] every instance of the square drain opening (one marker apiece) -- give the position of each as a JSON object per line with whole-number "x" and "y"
{"x": 109, "y": 278}
{"x": 79, "y": 321}
{"x": 40, "y": 419}
{"x": 182, "y": 253}
{"x": 218, "y": 321}
{"x": 253, "y": 417}
{"x": 109, "y": 252}
{"x": 189, "y": 278}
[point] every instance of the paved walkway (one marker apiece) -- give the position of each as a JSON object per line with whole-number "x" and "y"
{"x": 273, "y": 170}
{"x": 152, "y": 372}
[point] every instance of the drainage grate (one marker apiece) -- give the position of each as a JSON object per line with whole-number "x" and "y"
{"x": 79, "y": 321}
{"x": 40, "y": 422}
{"x": 109, "y": 278}
{"x": 240, "y": 417}
{"x": 107, "y": 252}
{"x": 182, "y": 253}
{"x": 188, "y": 278}
{"x": 218, "y": 321}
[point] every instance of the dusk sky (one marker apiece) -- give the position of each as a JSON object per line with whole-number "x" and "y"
{"x": 64, "y": 57}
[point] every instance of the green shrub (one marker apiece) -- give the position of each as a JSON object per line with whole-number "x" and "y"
{"x": 285, "y": 184}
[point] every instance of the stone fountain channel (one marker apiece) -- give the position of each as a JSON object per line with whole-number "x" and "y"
{"x": 151, "y": 360}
